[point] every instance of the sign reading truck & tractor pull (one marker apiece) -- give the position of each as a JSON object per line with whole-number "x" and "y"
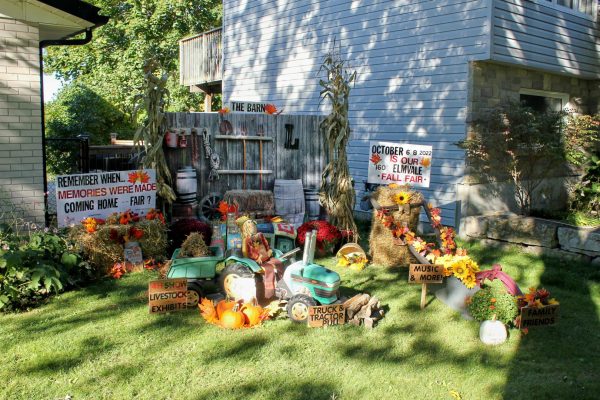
{"x": 167, "y": 295}
{"x": 399, "y": 163}
{"x": 101, "y": 194}
{"x": 333, "y": 314}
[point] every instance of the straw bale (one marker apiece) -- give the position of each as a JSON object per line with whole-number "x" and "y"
{"x": 252, "y": 200}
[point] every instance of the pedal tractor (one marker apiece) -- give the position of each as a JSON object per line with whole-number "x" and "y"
{"x": 301, "y": 283}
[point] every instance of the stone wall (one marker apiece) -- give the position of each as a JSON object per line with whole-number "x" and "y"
{"x": 21, "y": 173}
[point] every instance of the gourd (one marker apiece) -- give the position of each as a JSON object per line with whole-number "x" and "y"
{"x": 492, "y": 332}
{"x": 232, "y": 319}
{"x": 251, "y": 314}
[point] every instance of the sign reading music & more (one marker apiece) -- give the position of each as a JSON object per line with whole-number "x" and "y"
{"x": 103, "y": 193}
{"x": 399, "y": 163}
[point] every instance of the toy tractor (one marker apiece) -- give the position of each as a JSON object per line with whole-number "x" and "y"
{"x": 302, "y": 283}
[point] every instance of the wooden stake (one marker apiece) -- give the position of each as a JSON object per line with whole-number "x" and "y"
{"x": 423, "y": 295}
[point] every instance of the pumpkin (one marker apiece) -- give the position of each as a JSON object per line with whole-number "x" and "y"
{"x": 251, "y": 314}
{"x": 492, "y": 332}
{"x": 232, "y": 319}
{"x": 224, "y": 305}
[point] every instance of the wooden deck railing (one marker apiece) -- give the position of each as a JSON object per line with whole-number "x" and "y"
{"x": 200, "y": 59}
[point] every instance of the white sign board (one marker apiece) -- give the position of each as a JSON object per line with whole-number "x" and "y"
{"x": 247, "y": 107}
{"x": 101, "y": 194}
{"x": 399, "y": 163}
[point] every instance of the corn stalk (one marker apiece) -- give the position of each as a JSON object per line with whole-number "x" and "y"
{"x": 337, "y": 194}
{"x": 150, "y": 134}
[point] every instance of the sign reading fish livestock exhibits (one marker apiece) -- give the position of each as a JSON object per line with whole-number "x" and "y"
{"x": 101, "y": 194}
{"x": 426, "y": 273}
{"x": 542, "y": 316}
{"x": 399, "y": 163}
{"x": 167, "y": 295}
{"x": 248, "y": 107}
{"x": 333, "y": 314}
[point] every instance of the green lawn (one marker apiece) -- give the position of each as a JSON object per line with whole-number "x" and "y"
{"x": 101, "y": 343}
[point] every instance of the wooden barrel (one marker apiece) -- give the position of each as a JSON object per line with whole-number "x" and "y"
{"x": 187, "y": 185}
{"x": 313, "y": 208}
{"x": 289, "y": 200}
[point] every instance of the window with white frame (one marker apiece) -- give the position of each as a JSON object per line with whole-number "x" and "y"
{"x": 589, "y": 7}
{"x": 544, "y": 101}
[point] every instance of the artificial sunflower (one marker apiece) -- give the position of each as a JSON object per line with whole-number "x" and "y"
{"x": 402, "y": 198}
{"x": 469, "y": 281}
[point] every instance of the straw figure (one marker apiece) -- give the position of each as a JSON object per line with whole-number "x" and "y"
{"x": 404, "y": 206}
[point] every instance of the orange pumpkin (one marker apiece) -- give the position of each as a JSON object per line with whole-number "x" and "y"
{"x": 251, "y": 314}
{"x": 232, "y": 319}
{"x": 224, "y": 305}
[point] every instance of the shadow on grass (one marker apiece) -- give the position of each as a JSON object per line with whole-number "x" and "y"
{"x": 296, "y": 388}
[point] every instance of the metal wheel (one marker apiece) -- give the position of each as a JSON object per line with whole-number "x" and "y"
{"x": 194, "y": 294}
{"x": 208, "y": 207}
{"x": 297, "y": 307}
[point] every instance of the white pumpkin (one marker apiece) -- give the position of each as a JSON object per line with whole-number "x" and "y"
{"x": 492, "y": 332}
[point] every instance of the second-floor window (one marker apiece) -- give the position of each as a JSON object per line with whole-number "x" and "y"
{"x": 588, "y": 7}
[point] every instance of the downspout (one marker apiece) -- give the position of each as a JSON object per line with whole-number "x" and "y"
{"x": 45, "y": 43}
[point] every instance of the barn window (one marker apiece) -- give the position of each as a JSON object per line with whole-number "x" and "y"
{"x": 543, "y": 101}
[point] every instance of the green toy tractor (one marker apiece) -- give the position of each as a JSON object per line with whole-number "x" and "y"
{"x": 303, "y": 284}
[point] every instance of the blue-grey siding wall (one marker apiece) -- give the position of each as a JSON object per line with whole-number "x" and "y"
{"x": 412, "y": 62}
{"x": 533, "y": 35}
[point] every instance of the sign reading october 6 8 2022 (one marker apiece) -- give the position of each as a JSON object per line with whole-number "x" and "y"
{"x": 101, "y": 194}
{"x": 399, "y": 163}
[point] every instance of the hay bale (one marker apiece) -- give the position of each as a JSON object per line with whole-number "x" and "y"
{"x": 252, "y": 201}
{"x": 382, "y": 247}
{"x": 102, "y": 251}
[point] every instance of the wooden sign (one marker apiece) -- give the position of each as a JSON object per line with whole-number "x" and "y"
{"x": 334, "y": 314}
{"x": 247, "y": 107}
{"x": 544, "y": 316}
{"x": 167, "y": 295}
{"x": 426, "y": 273}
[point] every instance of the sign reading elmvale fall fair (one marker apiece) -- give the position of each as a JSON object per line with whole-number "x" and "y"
{"x": 101, "y": 194}
{"x": 167, "y": 295}
{"x": 399, "y": 163}
{"x": 333, "y": 314}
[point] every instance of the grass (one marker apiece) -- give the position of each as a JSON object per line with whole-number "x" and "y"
{"x": 101, "y": 343}
{"x": 576, "y": 218}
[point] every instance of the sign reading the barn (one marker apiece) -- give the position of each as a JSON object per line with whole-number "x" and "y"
{"x": 101, "y": 194}
{"x": 333, "y": 314}
{"x": 248, "y": 107}
{"x": 542, "y": 316}
{"x": 399, "y": 163}
{"x": 167, "y": 295}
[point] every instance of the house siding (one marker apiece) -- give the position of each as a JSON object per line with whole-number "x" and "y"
{"x": 533, "y": 35}
{"x": 412, "y": 60}
{"x": 21, "y": 173}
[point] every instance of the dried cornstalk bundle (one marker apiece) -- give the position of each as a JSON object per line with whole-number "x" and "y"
{"x": 337, "y": 194}
{"x": 194, "y": 246}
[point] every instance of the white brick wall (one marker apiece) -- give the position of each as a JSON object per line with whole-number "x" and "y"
{"x": 21, "y": 173}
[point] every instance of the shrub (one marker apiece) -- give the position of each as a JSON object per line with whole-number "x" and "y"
{"x": 585, "y": 196}
{"x": 34, "y": 266}
{"x": 492, "y": 300}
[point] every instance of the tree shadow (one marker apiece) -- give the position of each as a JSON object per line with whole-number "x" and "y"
{"x": 296, "y": 388}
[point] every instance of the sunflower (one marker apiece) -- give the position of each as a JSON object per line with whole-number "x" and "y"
{"x": 469, "y": 281}
{"x": 460, "y": 270}
{"x": 402, "y": 198}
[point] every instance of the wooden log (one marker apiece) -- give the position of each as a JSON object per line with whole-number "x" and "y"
{"x": 354, "y": 304}
{"x": 366, "y": 310}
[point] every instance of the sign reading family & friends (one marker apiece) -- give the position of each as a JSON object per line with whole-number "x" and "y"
{"x": 542, "y": 316}
{"x": 101, "y": 194}
{"x": 399, "y": 163}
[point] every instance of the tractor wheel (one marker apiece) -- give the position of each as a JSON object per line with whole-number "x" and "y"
{"x": 194, "y": 294}
{"x": 231, "y": 277}
{"x": 297, "y": 307}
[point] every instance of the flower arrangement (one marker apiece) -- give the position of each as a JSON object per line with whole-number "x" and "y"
{"x": 355, "y": 261}
{"x": 90, "y": 224}
{"x": 225, "y": 208}
{"x": 328, "y": 236}
{"x": 493, "y": 300}
{"x": 536, "y": 298}
{"x": 461, "y": 267}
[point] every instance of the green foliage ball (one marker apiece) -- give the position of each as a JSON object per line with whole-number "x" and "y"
{"x": 482, "y": 307}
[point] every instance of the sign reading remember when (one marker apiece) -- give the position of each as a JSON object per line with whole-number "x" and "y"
{"x": 333, "y": 314}
{"x": 167, "y": 295}
{"x": 426, "y": 273}
{"x": 247, "y": 107}
{"x": 399, "y": 163}
{"x": 543, "y": 316}
{"x": 101, "y": 194}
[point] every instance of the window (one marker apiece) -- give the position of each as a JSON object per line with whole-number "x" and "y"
{"x": 588, "y": 7}
{"x": 542, "y": 101}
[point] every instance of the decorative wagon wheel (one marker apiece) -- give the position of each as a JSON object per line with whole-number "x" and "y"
{"x": 209, "y": 206}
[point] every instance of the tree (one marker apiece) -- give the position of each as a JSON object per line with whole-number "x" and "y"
{"x": 138, "y": 30}
{"x": 512, "y": 142}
